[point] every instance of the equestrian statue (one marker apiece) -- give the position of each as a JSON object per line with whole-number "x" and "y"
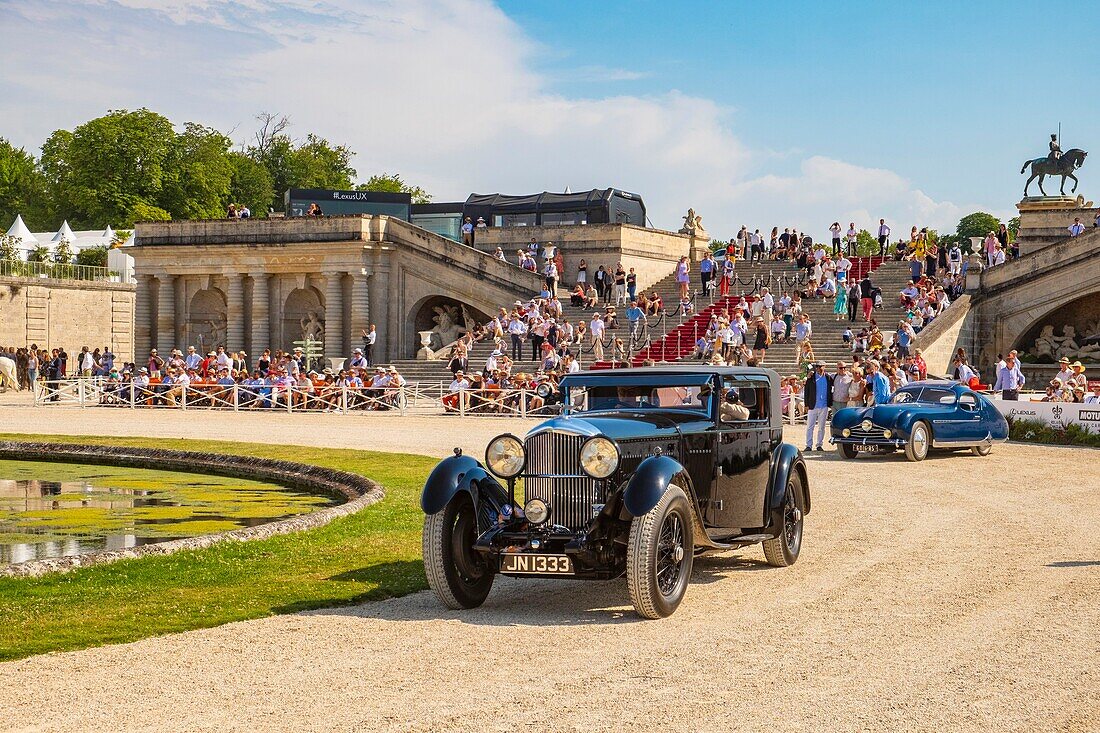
{"x": 1056, "y": 163}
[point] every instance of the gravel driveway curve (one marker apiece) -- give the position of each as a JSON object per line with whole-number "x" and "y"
{"x": 958, "y": 594}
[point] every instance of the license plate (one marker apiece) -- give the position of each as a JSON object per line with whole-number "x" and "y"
{"x": 866, "y": 448}
{"x": 530, "y": 564}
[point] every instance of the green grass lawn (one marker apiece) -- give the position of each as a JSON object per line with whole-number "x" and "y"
{"x": 371, "y": 555}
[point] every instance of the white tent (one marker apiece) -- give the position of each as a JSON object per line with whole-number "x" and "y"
{"x": 65, "y": 232}
{"x": 20, "y": 231}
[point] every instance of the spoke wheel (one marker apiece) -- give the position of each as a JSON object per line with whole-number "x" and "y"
{"x": 661, "y": 550}
{"x": 456, "y": 572}
{"x": 783, "y": 550}
{"x": 920, "y": 440}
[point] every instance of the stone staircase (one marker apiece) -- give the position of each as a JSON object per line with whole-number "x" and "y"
{"x": 673, "y": 336}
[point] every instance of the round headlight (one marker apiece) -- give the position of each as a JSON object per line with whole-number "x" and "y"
{"x": 887, "y": 433}
{"x": 599, "y": 457}
{"x": 536, "y": 511}
{"x": 846, "y": 432}
{"x": 505, "y": 456}
{"x": 866, "y": 424}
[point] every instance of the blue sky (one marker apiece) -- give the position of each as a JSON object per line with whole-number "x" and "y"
{"x": 753, "y": 113}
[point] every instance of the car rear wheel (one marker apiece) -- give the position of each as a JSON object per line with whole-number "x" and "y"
{"x": 457, "y": 573}
{"x": 783, "y": 550}
{"x": 847, "y": 450}
{"x": 661, "y": 550}
{"x": 982, "y": 450}
{"x": 920, "y": 439}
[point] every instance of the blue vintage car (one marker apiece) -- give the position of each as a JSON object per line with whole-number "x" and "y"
{"x": 645, "y": 469}
{"x": 918, "y": 417}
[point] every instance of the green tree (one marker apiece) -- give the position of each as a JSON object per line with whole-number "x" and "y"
{"x": 393, "y": 183}
{"x": 22, "y": 187}
{"x": 9, "y": 249}
{"x": 63, "y": 253}
{"x": 1013, "y": 228}
{"x": 251, "y": 184}
{"x": 866, "y": 245}
{"x": 198, "y": 174}
{"x": 41, "y": 253}
{"x": 108, "y": 165}
{"x": 142, "y": 211}
{"x": 316, "y": 163}
{"x": 94, "y": 256}
{"x": 977, "y": 224}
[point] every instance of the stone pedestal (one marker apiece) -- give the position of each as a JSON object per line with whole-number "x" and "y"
{"x": 1045, "y": 220}
{"x": 698, "y": 247}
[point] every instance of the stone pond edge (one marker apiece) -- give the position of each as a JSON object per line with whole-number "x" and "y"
{"x": 359, "y": 491}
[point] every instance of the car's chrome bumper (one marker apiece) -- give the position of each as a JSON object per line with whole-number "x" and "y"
{"x": 884, "y": 442}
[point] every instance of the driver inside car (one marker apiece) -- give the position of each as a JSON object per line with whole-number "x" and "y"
{"x": 731, "y": 409}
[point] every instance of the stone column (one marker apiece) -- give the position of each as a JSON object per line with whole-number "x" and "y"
{"x": 234, "y": 312}
{"x": 166, "y": 314}
{"x": 380, "y": 313}
{"x": 145, "y": 317}
{"x": 360, "y": 307}
{"x": 261, "y": 317}
{"x": 334, "y": 315}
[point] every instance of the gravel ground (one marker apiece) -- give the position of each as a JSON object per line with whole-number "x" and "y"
{"x": 958, "y": 594}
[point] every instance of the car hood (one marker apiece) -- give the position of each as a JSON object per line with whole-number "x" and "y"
{"x": 885, "y": 415}
{"x": 623, "y": 425}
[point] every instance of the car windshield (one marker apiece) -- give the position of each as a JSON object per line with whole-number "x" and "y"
{"x": 590, "y": 398}
{"x": 931, "y": 395}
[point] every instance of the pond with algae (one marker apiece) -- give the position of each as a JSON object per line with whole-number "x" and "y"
{"x": 56, "y": 509}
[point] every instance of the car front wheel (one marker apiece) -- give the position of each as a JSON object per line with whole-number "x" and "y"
{"x": 847, "y": 450}
{"x": 456, "y": 572}
{"x": 659, "y": 563}
{"x": 919, "y": 441}
{"x": 783, "y": 550}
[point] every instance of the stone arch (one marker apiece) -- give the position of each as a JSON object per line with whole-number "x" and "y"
{"x": 426, "y": 314}
{"x": 1056, "y": 332}
{"x": 206, "y": 320}
{"x": 304, "y": 308}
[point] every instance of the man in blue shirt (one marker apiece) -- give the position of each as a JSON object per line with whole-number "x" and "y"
{"x": 1009, "y": 379}
{"x": 635, "y": 315}
{"x": 706, "y": 270}
{"x": 819, "y": 398}
{"x": 879, "y": 384}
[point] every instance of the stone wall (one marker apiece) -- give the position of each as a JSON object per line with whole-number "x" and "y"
{"x": 68, "y": 313}
{"x": 946, "y": 334}
{"x": 653, "y": 253}
{"x": 1042, "y": 225}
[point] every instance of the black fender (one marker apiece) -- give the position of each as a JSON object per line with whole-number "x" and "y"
{"x": 649, "y": 483}
{"x": 785, "y": 459}
{"x": 461, "y": 473}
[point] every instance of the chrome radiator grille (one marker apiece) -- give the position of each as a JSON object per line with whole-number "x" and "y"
{"x": 875, "y": 433}
{"x": 569, "y": 492}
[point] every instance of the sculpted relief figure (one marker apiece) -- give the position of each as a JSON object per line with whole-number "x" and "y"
{"x": 313, "y": 328}
{"x": 1044, "y": 347}
{"x": 693, "y": 224}
{"x": 448, "y": 328}
{"x": 1049, "y": 347}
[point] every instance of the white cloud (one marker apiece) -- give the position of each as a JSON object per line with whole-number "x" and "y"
{"x": 442, "y": 91}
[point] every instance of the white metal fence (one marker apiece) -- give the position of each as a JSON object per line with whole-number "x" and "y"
{"x": 431, "y": 397}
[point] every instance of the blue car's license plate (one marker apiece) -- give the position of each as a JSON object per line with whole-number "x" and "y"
{"x": 531, "y": 564}
{"x": 866, "y": 448}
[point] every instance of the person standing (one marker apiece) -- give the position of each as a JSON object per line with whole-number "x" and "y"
{"x": 517, "y": 329}
{"x": 602, "y": 282}
{"x": 632, "y": 285}
{"x": 1076, "y": 228}
{"x": 840, "y": 303}
{"x": 1009, "y": 379}
{"x": 835, "y": 229}
{"x": 853, "y": 301}
{"x": 682, "y": 277}
{"x": 818, "y": 398}
{"x": 582, "y": 274}
{"x": 878, "y": 386}
{"x": 620, "y": 284}
{"x": 883, "y": 236}
{"x": 706, "y": 271}
{"x": 550, "y": 274}
{"x": 370, "y": 337}
{"x": 596, "y": 329}
{"x": 853, "y": 237}
{"x": 756, "y": 248}
{"x": 468, "y": 232}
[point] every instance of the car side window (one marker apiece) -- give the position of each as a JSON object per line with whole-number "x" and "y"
{"x": 743, "y": 401}
{"x": 968, "y": 402}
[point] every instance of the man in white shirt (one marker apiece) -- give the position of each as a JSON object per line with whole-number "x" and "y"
{"x": 756, "y": 248}
{"x": 1076, "y": 228}
{"x": 883, "y": 236}
{"x": 834, "y": 230}
{"x": 843, "y": 266}
{"x": 853, "y": 236}
{"x": 369, "y": 338}
{"x": 768, "y": 302}
{"x": 954, "y": 259}
{"x": 193, "y": 360}
{"x": 596, "y": 329}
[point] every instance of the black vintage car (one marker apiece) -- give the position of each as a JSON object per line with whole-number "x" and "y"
{"x": 645, "y": 469}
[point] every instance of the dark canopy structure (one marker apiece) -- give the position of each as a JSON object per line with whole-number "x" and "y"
{"x": 598, "y": 206}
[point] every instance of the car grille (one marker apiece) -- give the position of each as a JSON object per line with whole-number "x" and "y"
{"x": 858, "y": 433}
{"x": 565, "y": 488}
